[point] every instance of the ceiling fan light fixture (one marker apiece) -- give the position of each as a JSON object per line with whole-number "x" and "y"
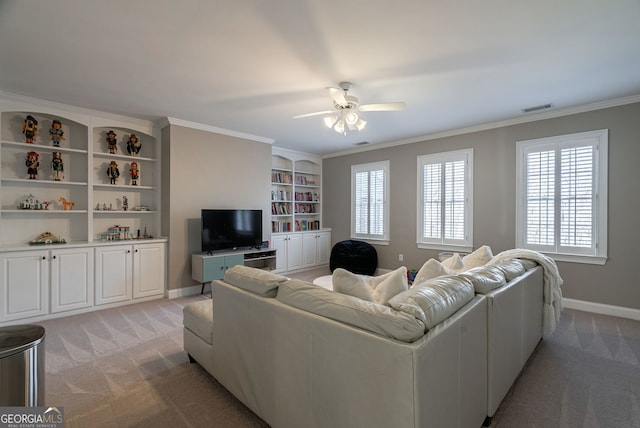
{"x": 330, "y": 121}
{"x": 339, "y": 127}
{"x": 360, "y": 124}
{"x": 351, "y": 117}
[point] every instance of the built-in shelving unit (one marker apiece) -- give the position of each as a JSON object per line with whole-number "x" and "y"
{"x": 296, "y": 214}
{"x": 97, "y": 204}
{"x": 296, "y": 185}
{"x": 102, "y": 261}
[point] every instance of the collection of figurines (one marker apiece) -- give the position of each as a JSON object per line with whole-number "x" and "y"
{"x": 32, "y": 203}
{"x": 32, "y": 162}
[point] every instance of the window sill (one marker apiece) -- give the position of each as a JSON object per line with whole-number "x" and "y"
{"x": 371, "y": 241}
{"x": 450, "y": 248}
{"x": 574, "y": 258}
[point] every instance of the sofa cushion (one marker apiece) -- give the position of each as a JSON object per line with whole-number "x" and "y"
{"x": 257, "y": 281}
{"x": 485, "y": 278}
{"x": 511, "y": 268}
{"x": 198, "y": 318}
{"x": 435, "y": 300}
{"x": 478, "y": 257}
{"x": 377, "y": 289}
{"x": 432, "y": 268}
{"x": 360, "y": 313}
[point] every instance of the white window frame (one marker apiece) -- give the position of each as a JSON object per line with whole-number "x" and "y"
{"x": 383, "y": 238}
{"x": 442, "y": 243}
{"x": 597, "y": 253}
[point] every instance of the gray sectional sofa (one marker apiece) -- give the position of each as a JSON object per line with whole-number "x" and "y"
{"x": 441, "y": 354}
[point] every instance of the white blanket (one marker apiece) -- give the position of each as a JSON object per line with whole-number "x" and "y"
{"x": 552, "y": 282}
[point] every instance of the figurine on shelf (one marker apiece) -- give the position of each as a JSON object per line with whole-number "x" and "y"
{"x": 30, "y": 128}
{"x": 57, "y": 166}
{"x": 66, "y": 204}
{"x": 125, "y": 203}
{"x": 56, "y": 132}
{"x": 112, "y": 142}
{"x": 32, "y": 165}
{"x": 135, "y": 173}
{"x": 113, "y": 172}
{"x": 133, "y": 145}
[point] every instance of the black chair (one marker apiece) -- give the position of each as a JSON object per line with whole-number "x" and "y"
{"x": 355, "y": 256}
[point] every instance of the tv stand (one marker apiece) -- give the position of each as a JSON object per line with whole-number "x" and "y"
{"x": 212, "y": 265}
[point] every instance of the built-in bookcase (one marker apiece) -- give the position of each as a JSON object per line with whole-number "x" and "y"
{"x": 296, "y": 185}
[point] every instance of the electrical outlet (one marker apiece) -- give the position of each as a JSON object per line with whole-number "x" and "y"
{"x": 400, "y": 257}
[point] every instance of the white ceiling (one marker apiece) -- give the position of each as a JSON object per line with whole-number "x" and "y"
{"x": 250, "y": 65}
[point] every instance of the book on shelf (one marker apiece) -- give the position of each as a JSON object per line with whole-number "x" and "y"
{"x": 280, "y": 177}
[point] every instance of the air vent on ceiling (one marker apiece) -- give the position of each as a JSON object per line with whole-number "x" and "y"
{"x": 361, "y": 143}
{"x": 537, "y": 108}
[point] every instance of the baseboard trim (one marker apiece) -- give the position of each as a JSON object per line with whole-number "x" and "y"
{"x": 601, "y": 308}
{"x": 187, "y": 291}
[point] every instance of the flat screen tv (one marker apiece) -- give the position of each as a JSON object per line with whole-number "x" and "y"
{"x": 231, "y": 229}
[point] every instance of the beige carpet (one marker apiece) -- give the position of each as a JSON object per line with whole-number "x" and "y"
{"x": 125, "y": 367}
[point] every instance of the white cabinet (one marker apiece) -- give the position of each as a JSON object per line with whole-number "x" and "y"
{"x": 35, "y": 283}
{"x": 71, "y": 279}
{"x": 24, "y": 284}
{"x": 124, "y": 272}
{"x": 315, "y": 248}
{"x": 148, "y": 270}
{"x": 289, "y": 250}
{"x": 114, "y": 268}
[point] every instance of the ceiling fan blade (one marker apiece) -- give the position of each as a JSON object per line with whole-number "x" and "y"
{"x": 313, "y": 114}
{"x": 338, "y": 96}
{"x": 382, "y": 107}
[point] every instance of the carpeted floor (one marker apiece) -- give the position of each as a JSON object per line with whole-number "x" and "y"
{"x": 125, "y": 367}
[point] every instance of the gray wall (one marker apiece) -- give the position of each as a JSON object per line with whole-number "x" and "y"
{"x": 201, "y": 169}
{"x": 615, "y": 283}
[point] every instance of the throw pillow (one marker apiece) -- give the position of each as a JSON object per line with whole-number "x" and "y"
{"x": 351, "y": 284}
{"x": 454, "y": 263}
{"x": 479, "y": 257}
{"x": 388, "y": 285}
{"x": 378, "y": 289}
{"x": 431, "y": 269}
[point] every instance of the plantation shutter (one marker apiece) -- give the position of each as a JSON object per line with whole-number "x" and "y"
{"x": 444, "y": 184}
{"x": 560, "y": 199}
{"x": 369, "y": 209}
{"x": 576, "y": 212}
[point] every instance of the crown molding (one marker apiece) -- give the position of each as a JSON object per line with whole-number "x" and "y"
{"x": 214, "y": 129}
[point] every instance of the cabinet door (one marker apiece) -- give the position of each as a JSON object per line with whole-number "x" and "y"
{"x": 323, "y": 242}
{"x": 278, "y": 243}
{"x": 232, "y": 260}
{"x": 212, "y": 268}
{"x": 71, "y": 279}
{"x": 148, "y": 270}
{"x": 24, "y": 284}
{"x": 294, "y": 251}
{"x": 309, "y": 253}
{"x": 113, "y": 274}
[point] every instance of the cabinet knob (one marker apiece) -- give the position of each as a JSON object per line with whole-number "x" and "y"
{"x": 136, "y": 250}
{"x": 54, "y": 257}
{"x": 128, "y": 251}
{"x": 44, "y": 258}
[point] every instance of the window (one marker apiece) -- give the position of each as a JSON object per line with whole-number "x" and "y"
{"x": 445, "y": 195}
{"x": 370, "y": 201}
{"x": 562, "y": 196}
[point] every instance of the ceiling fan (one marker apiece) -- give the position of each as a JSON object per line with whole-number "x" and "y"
{"x": 345, "y": 116}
